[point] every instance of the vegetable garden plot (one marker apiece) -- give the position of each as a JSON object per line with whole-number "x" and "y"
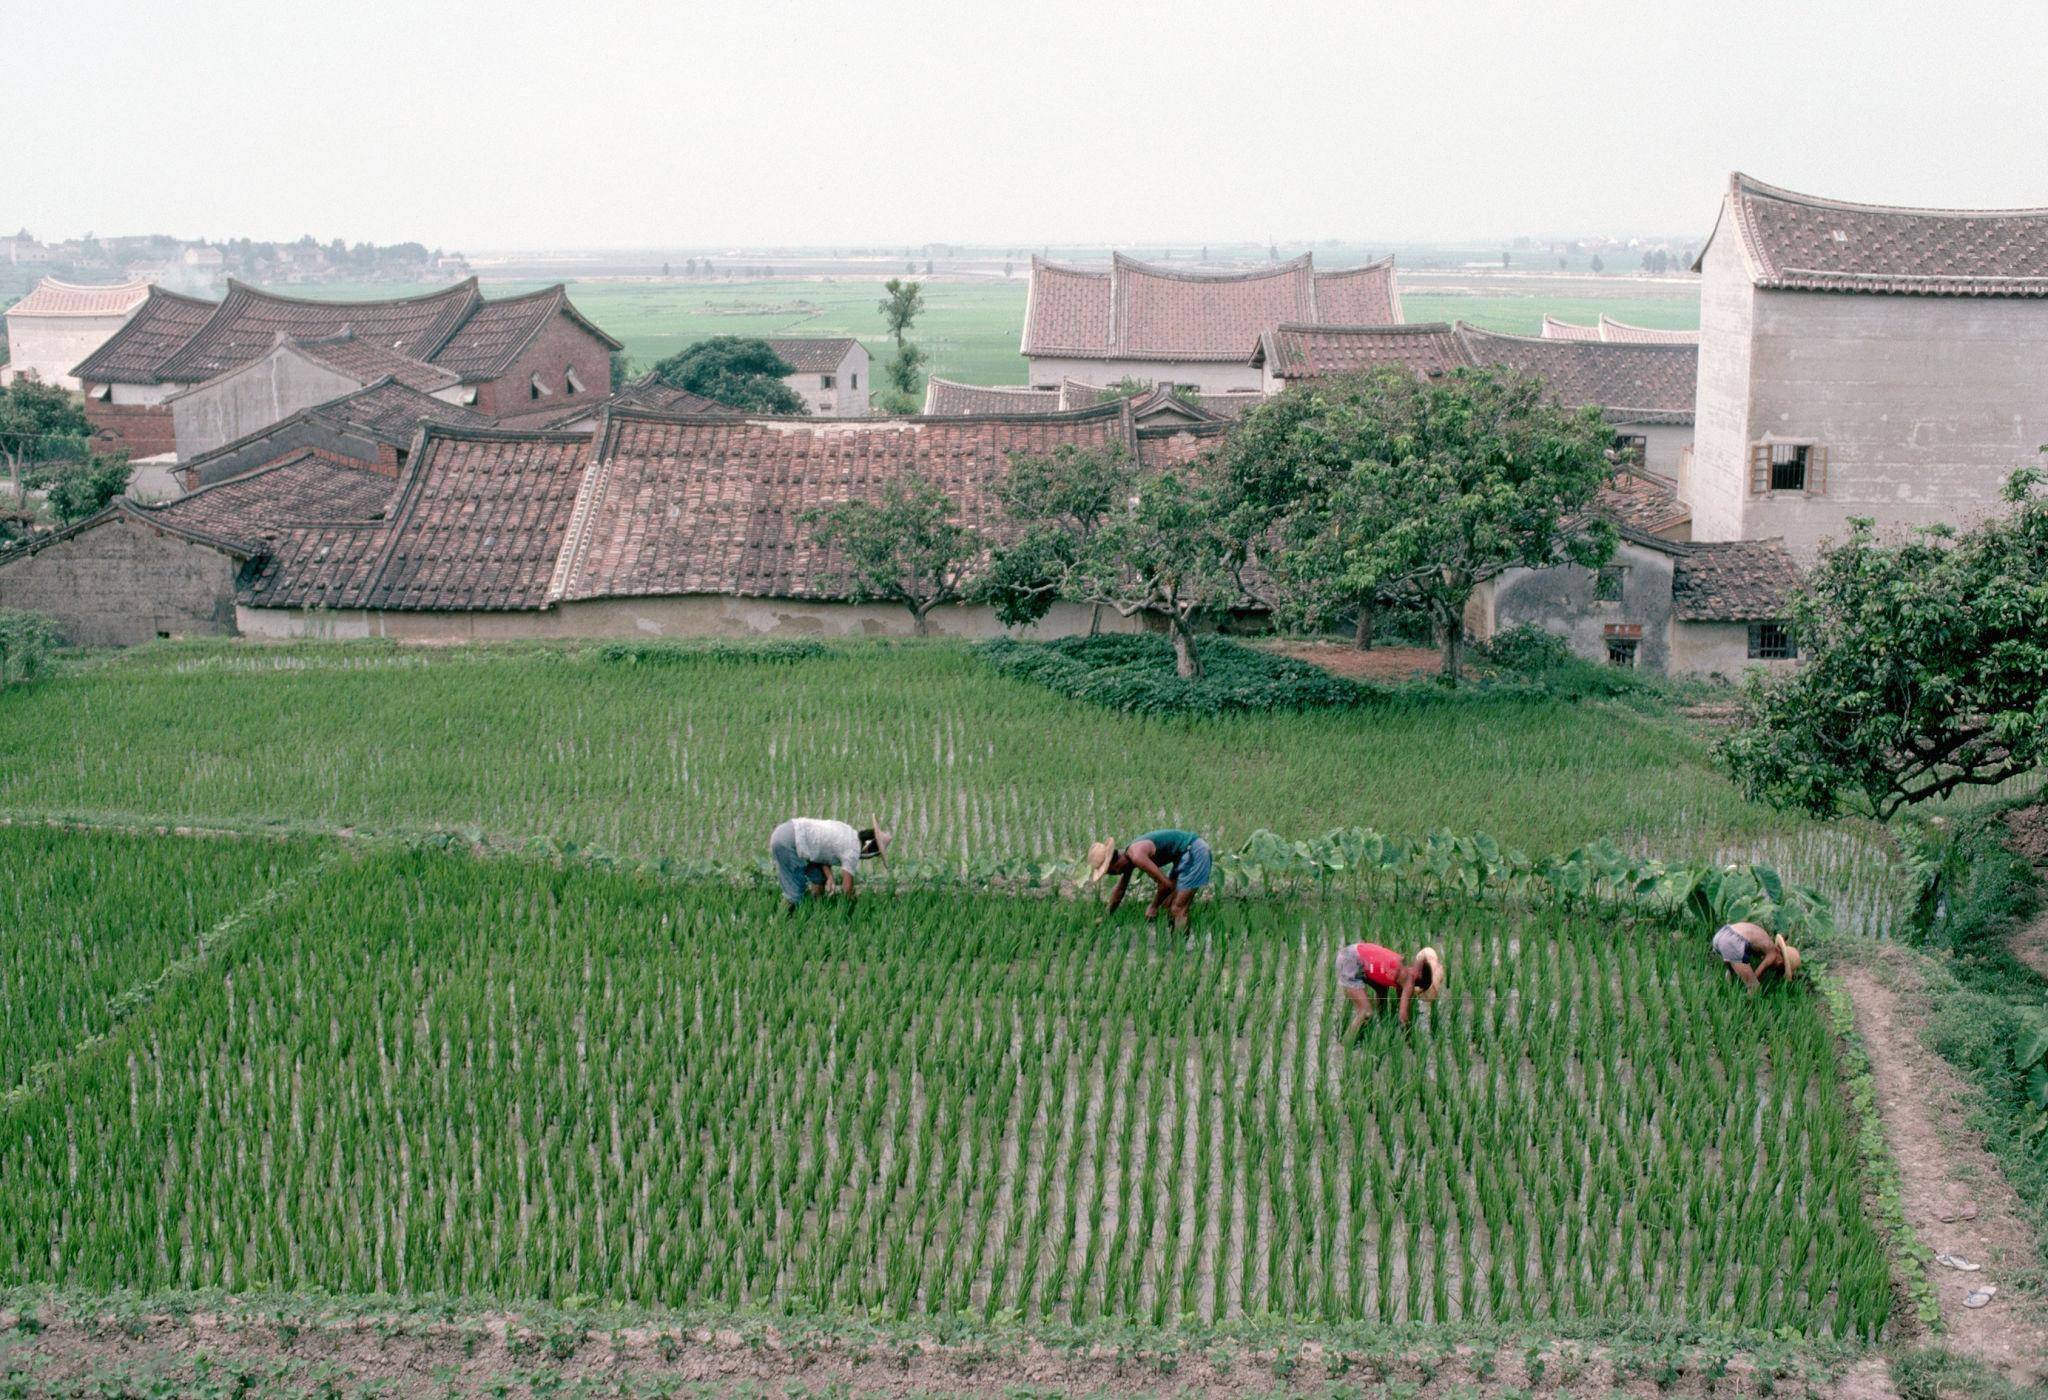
{"x": 88, "y": 916}
{"x": 429, "y": 1074}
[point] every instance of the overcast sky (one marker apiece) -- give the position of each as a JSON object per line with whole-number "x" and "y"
{"x": 497, "y": 125}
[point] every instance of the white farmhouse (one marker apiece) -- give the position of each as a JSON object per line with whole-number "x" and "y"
{"x": 60, "y": 323}
{"x": 1863, "y": 360}
{"x": 830, "y": 374}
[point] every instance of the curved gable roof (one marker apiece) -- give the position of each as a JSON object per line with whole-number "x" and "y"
{"x": 136, "y": 353}
{"x": 496, "y": 332}
{"x": 1611, "y": 329}
{"x": 1293, "y": 351}
{"x": 248, "y": 321}
{"x": 948, "y": 398}
{"x": 1633, "y": 383}
{"x": 52, "y": 297}
{"x": 1806, "y": 243}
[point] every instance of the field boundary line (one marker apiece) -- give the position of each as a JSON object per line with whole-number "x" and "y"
{"x": 144, "y": 993}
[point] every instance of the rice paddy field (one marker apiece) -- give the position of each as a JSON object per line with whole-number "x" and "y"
{"x": 426, "y": 1074}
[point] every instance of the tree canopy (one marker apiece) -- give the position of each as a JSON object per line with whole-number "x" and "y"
{"x": 900, "y": 309}
{"x": 904, "y": 547}
{"x": 738, "y": 371}
{"x": 1924, "y": 669}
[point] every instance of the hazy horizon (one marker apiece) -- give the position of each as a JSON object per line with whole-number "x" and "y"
{"x": 639, "y": 126}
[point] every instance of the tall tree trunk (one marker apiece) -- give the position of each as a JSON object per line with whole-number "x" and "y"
{"x": 919, "y": 625}
{"x": 1187, "y": 662}
{"x": 1095, "y": 621}
{"x": 1454, "y": 649}
{"x": 1368, "y": 614}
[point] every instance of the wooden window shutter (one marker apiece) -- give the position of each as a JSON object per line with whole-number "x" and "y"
{"x": 1817, "y": 470}
{"x": 1759, "y": 469}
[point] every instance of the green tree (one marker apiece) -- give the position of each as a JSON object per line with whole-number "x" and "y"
{"x": 1924, "y": 668}
{"x": 76, "y": 490}
{"x": 903, "y": 547}
{"x": 39, "y": 423}
{"x": 1421, "y": 490}
{"x": 738, "y": 371}
{"x": 621, "y": 370}
{"x": 1057, "y": 501}
{"x": 900, "y": 310}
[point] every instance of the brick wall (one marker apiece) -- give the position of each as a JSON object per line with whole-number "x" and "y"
{"x": 123, "y": 582}
{"x": 144, "y": 429}
{"x": 560, "y": 344}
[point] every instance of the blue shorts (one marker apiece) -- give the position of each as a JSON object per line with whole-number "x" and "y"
{"x": 1191, "y": 871}
{"x": 796, "y": 874}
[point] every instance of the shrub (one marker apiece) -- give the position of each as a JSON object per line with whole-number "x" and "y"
{"x": 692, "y": 653}
{"x": 26, "y": 641}
{"x": 1136, "y": 674}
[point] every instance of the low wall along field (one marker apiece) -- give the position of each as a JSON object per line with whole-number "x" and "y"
{"x": 427, "y": 1074}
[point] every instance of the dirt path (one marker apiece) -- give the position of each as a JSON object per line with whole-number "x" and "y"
{"x": 2030, "y": 944}
{"x": 1945, "y": 1170}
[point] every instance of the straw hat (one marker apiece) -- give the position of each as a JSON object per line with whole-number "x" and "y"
{"x": 1791, "y": 956}
{"x": 1430, "y": 959}
{"x": 882, "y": 840}
{"x": 1099, "y": 856}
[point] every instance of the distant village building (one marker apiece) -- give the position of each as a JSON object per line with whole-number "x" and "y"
{"x": 506, "y": 353}
{"x": 1864, "y": 360}
{"x": 60, "y": 323}
{"x": 22, "y": 247}
{"x": 296, "y": 374}
{"x": 830, "y": 374}
{"x": 1162, "y": 325}
{"x": 1608, "y": 328}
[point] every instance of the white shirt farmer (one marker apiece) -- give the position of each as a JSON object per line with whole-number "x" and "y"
{"x": 827, "y": 843}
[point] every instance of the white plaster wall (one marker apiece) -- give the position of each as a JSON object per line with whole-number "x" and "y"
{"x": 1663, "y": 444}
{"x": 1925, "y": 404}
{"x": 1716, "y": 648}
{"x": 1718, "y": 481}
{"x": 1210, "y": 377}
{"x": 696, "y": 615}
{"x": 141, "y": 393}
{"x": 252, "y": 398}
{"x": 49, "y": 347}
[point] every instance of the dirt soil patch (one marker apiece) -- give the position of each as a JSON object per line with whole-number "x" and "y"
{"x": 1379, "y": 664}
{"x": 2029, "y": 827}
{"x": 1945, "y": 1171}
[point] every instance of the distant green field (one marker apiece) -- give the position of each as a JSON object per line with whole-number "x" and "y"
{"x": 969, "y": 330}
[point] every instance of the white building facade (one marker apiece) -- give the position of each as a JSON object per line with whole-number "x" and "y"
{"x": 831, "y": 375}
{"x": 60, "y": 323}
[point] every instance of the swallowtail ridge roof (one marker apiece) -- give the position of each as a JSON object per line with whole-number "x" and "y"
{"x": 136, "y": 353}
{"x": 1802, "y": 242}
{"x": 51, "y": 297}
{"x": 1632, "y": 383}
{"x": 484, "y": 345}
{"x": 249, "y": 320}
{"x": 813, "y": 354}
{"x": 1293, "y": 351}
{"x": 1554, "y": 329}
{"x": 1611, "y": 329}
{"x": 946, "y": 398}
{"x": 1136, "y": 310}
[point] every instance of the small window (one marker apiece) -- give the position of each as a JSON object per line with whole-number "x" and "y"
{"x": 824, "y": 381}
{"x": 1771, "y": 641}
{"x": 1621, "y": 651}
{"x": 535, "y": 389}
{"x": 1631, "y": 448}
{"x": 853, "y": 381}
{"x": 1788, "y": 466}
{"x": 570, "y": 383}
{"x": 1609, "y": 583}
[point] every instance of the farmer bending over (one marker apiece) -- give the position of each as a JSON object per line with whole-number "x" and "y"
{"x": 1178, "y": 862}
{"x": 1368, "y": 972}
{"x": 810, "y": 855}
{"x": 1749, "y": 951}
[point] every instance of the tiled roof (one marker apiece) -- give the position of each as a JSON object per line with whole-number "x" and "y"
{"x": 367, "y": 361}
{"x": 1800, "y": 242}
{"x": 485, "y": 345}
{"x": 51, "y": 297}
{"x": 812, "y": 355}
{"x": 1139, "y": 310}
{"x": 393, "y": 412}
{"x": 1554, "y": 329}
{"x": 1632, "y": 383}
{"x": 649, "y": 391}
{"x": 1733, "y": 581}
{"x": 1149, "y": 406}
{"x": 303, "y": 489}
{"x": 945, "y": 398}
{"x": 1171, "y": 445}
{"x": 702, "y": 505}
{"x": 135, "y": 354}
{"x": 248, "y": 321}
{"x": 1293, "y": 351}
{"x": 316, "y": 566}
{"x": 1229, "y": 407}
{"x": 1642, "y": 502}
{"x": 1611, "y": 329}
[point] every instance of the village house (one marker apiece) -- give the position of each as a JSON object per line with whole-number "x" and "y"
{"x": 1864, "y": 360}
{"x": 831, "y": 375}
{"x": 505, "y": 353}
{"x": 371, "y": 428}
{"x": 1645, "y": 388}
{"x": 59, "y": 323}
{"x": 1161, "y": 325}
{"x": 296, "y": 374}
{"x": 1292, "y": 352}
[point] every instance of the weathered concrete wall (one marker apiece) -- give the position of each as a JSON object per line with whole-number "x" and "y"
{"x": 1715, "y": 649}
{"x": 253, "y": 397}
{"x": 1664, "y": 445}
{"x": 1718, "y": 480}
{"x": 123, "y": 582}
{"x": 1561, "y": 601}
{"x": 48, "y": 347}
{"x": 1210, "y": 378}
{"x": 561, "y": 345}
{"x": 696, "y": 615}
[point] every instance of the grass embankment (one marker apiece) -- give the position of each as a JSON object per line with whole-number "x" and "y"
{"x": 429, "y": 1074}
{"x": 703, "y": 758}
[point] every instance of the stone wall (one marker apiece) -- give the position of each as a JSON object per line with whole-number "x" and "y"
{"x": 144, "y": 430}
{"x": 123, "y": 582}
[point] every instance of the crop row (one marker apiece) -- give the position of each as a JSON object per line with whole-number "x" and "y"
{"x": 426, "y": 1074}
